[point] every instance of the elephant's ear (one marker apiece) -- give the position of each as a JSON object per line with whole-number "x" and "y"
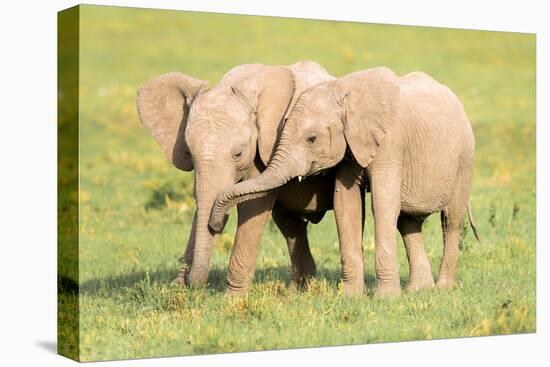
{"x": 371, "y": 103}
{"x": 163, "y": 105}
{"x": 267, "y": 94}
{"x": 306, "y": 75}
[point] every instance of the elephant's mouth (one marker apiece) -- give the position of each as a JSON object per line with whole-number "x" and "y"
{"x": 323, "y": 172}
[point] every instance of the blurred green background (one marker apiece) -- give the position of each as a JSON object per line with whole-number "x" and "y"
{"x": 136, "y": 209}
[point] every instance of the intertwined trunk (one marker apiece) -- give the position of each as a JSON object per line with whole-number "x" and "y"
{"x": 277, "y": 173}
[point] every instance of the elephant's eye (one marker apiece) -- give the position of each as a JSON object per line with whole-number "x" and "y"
{"x": 237, "y": 155}
{"x": 311, "y": 139}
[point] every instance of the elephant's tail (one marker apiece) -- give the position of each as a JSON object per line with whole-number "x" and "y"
{"x": 472, "y": 224}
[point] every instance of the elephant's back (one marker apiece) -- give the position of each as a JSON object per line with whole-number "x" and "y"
{"x": 239, "y": 72}
{"x": 437, "y": 141}
{"x": 433, "y": 109}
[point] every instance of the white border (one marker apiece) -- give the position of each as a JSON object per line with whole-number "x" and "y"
{"x": 28, "y": 180}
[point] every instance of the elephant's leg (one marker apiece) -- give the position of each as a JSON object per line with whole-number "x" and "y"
{"x": 386, "y": 206}
{"x": 451, "y": 222}
{"x": 349, "y": 214}
{"x": 420, "y": 271}
{"x": 295, "y": 231}
{"x": 252, "y": 217}
{"x": 187, "y": 257}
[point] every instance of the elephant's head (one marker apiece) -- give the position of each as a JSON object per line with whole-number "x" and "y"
{"x": 353, "y": 112}
{"x": 218, "y": 132}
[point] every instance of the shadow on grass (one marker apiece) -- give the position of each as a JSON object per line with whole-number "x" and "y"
{"x": 216, "y": 279}
{"x": 158, "y": 197}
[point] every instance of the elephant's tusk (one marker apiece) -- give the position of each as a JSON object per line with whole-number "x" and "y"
{"x": 300, "y": 178}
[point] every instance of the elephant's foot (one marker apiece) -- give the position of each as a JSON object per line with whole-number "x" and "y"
{"x": 354, "y": 288}
{"x": 180, "y": 279}
{"x": 232, "y": 292}
{"x": 300, "y": 283}
{"x": 417, "y": 285}
{"x": 301, "y": 278}
{"x": 418, "y": 282}
{"x": 292, "y": 287}
{"x": 238, "y": 287}
{"x": 384, "y": 290}
{"x": 238, "y": 281}
{"x": 353, "y": 291}
{"x": 445, "y": 283}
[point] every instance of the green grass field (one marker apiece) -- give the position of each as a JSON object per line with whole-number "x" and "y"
{"x": 136, "y": 209}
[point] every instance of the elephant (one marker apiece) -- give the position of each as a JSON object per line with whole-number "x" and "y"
{"x": 407, "y": 141}
{"x": 227, "y": 134}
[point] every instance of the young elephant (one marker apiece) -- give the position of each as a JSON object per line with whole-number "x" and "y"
{"x": 407, "y": 140}
{"x": 227, "y": 134}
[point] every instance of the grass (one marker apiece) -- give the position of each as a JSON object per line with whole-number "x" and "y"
{"x": 136, "y": 209}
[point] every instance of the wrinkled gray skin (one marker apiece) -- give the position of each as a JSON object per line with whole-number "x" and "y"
{"x": 405, "y": 139}
{"x": 227, "y": 134}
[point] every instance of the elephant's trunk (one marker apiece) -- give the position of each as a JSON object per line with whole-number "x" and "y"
{"x": 204, "y": 240}
{"x": 277, "y": 173}
{"x": 205, "y": 191}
